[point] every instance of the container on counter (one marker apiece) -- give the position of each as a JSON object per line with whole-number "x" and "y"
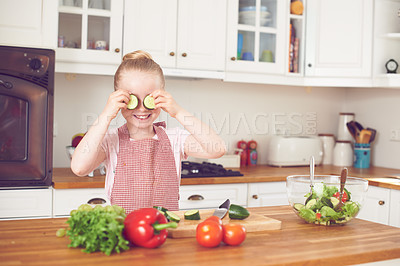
{"x": 362, "y": 155}
{"x": 343, "y": 132}
{"x": 343, "y": 153}
{"x": 328, "y": 144}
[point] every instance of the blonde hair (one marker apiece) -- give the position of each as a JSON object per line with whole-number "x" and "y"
{"x": 138, "y": 61}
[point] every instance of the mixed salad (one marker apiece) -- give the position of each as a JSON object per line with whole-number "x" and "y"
{"x": 320, "y": 207}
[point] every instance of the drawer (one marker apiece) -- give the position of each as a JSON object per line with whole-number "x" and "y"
{"x": 267, "y": 194}
{"x": 26, "y": 203}
{"x": 66, "y": 200}
{"x": 211, "y": 196}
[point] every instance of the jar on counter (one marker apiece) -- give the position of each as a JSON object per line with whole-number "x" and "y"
{"x": 362, "y": 155}
{"x": 343, "y": 132}
{"x": 328, "y": 144}
{"x": 343, "y": 153}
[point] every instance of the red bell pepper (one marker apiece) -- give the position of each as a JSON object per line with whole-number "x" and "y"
{"x": 147, "y": 227}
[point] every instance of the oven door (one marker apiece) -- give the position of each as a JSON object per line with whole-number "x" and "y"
{"x": 23, "y": 133}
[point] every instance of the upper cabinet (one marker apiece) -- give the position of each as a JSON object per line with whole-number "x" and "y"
{"x": 256, "y": 36}
{"x": 339, "y": 38}
{"x": 21, "y": 23}
{"x": 88, "y": 35}
{"x": 386, "y": 41}
{"x": 179, "y": 34}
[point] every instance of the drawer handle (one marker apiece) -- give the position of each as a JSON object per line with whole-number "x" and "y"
{"x": 184, "y": 54}
{"x": 381, "y": 202}
{"x": 255, "y": 196}
{"x": 196, "y": 197}
{"x": 171, "y": 53}
{"x": 96, "y": 201}
{"x": 117, "y": 50}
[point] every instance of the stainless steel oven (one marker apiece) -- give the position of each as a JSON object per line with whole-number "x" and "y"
{"x": 26, "y": 116}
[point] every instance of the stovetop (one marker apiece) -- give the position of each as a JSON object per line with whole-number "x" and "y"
{"x": 205, "y": 169}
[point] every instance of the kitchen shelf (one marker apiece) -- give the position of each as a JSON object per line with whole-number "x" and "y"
{"x": 300, "y": 17}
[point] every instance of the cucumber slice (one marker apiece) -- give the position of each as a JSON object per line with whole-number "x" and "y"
{"x": 298, "y": 206}
{"x": 172, "y": 216}
{"x": 192, "y": 215}
{"x": 310, "y": 204}
{"x": 133, "y": 102}
{"x": 160, "y": 208}
{"x": 238, "y": 212}
{"x": 148, "y": 102}
{"x": 334, "y": 201}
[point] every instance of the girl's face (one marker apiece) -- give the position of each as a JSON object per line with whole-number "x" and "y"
{"x": 140, "y": 84}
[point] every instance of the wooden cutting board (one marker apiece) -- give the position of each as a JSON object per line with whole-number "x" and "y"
{"x": 253, "y": 223}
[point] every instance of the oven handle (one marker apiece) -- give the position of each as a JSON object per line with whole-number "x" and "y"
{"x": 6, "y": 84}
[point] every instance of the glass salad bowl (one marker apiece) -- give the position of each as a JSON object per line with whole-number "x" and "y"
{"x": 320, "y": 207}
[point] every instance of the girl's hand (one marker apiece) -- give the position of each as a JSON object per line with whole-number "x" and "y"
{"x": 164, "y": 100}
{"x": 117, "y": 100}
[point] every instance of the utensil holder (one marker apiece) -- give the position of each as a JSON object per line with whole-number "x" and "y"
{"x": 362, "y": 155}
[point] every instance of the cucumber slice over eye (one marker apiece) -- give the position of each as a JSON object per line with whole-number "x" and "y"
{"x": 133, "y": 102}
{"x": 148, "y": 102}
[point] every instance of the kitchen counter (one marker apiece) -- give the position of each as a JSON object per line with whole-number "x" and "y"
{"x": 64, "y": 178}
{"x": 25, "y": 242}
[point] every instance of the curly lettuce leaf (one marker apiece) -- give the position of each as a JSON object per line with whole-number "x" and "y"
{"x": 97, "y": 229}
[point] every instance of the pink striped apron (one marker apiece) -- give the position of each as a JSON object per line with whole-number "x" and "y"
{"x": 145, "y": 175}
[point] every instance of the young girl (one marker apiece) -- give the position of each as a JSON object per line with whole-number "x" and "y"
{"x": 143, "y": 158}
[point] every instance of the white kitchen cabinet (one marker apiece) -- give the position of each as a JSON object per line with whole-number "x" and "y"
{"x": 267, "y": 194}
{"x": 179, "y": 34}
{"x": 339, "y": 38}
{"x": 21, "y": 23}
{"x": 394, "y": 217}
{"x": 26, "y": 203}
{"x": 376, "y": 205}
{"x": 256, "y": 36}
{"x": 211, "y": 196}
{"x": 87, "y": 35}
{"x": 386, "y": 42}
{"x": 66, "y": 200}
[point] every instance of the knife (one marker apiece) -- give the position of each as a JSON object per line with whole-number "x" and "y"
{"x": 222, "y": 209}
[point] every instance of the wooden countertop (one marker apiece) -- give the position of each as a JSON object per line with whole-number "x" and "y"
{"x": 26, "y": 242}
{"x": 64, "y": 178}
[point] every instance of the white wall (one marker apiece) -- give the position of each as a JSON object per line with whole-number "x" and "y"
{"x": 241, "y": 111}
{"x": 380, "y": 109}
{"x": 235, "y": 110}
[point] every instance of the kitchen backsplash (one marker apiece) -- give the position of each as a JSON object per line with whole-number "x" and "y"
{"x": 238, "y": 111}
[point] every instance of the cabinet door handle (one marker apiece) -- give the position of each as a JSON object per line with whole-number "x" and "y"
{"x": 184, "y": 54}
{"x": 117, "y": 50}
{"x": 381, "y": 202}
{"x": 171, "y": 53}
{"x": 255, "y": 197}
{"x": 309, "y": 65}
{"x": 233, "y": 58}
{"x": 196, "y": 197}
{"x": 96, "y": 201}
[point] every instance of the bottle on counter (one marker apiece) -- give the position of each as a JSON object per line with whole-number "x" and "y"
{"x": 252, "y": 152}
{"x": 343, "y": 153}
{"x": 328, "y": 144}
{"x": 343, "y": 132}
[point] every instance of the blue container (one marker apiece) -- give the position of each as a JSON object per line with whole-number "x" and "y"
{"x": 362, "y": 155}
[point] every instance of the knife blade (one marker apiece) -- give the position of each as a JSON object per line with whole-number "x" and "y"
{"x": 222, "y": 209}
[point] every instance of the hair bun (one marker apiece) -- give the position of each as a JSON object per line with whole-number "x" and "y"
{"x": 139, "y": 54}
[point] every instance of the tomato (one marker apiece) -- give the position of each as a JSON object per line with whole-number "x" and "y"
{"x": 214, "y": 218}
{"x": 209, "y": 233}
{"x": 318, "y": 215}
{"x": 234, "y": 234}
{"x": 344, "y": 197}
